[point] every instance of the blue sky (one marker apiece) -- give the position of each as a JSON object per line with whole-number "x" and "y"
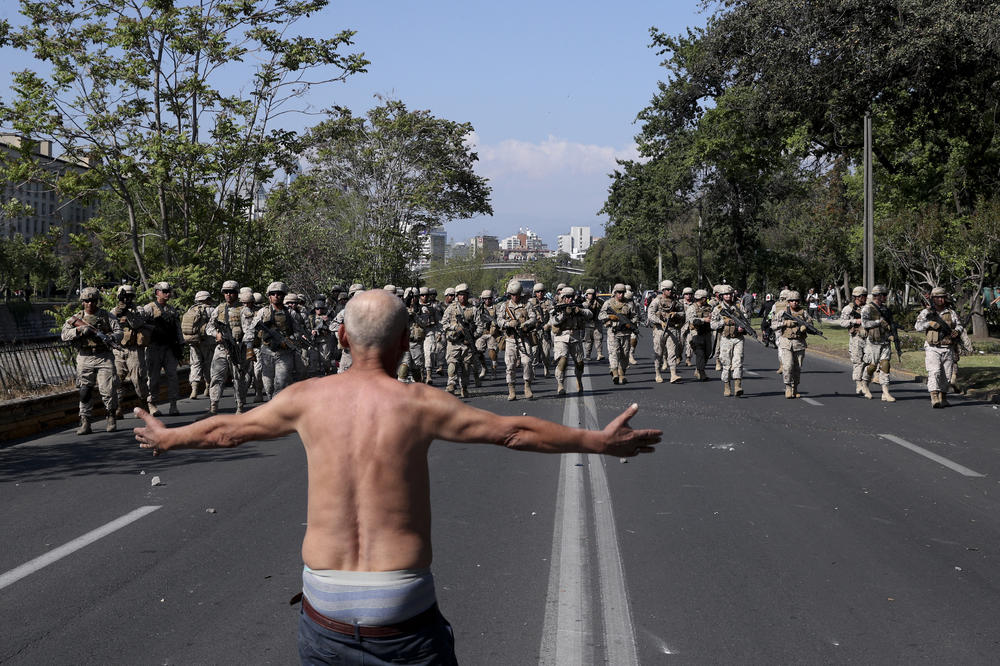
{"x": 552, "y": 89}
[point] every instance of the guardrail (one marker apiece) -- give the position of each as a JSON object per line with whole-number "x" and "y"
{"x": 31, "y": 366}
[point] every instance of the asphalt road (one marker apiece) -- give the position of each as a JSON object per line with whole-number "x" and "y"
{"x": 763, "y": 530}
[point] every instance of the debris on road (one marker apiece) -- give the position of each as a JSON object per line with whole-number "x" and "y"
{"x": 155, "y": 481}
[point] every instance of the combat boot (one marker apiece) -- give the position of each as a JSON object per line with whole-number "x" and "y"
{"x": 865, "y": 391}
{"x": 118, "y": 412}
{"x": 944, "y": 399}
{"x": 621, "y": 376}
{"x": 560, "y": 387}
{"x": 153, "y": 409}
{"x": 936, "y": 399}
{"x": 579, "y": 383}
{"x": 727, "y": 389}
{"x": 511, "y": 395}
{"x": 194, "y": 390}
{"x": 476, "y": 378}
{"x": 789, "y": 391}
{"x": 84, "y": 428}
{"x": 213, "y": 408}
{"x": 699, "y": 375}
{"x": 614, "y": 375}
{"x": 527, "y": 391}
{"x": 738, "y": 390}
{"x": 659, "y": 377}
{"x": 795, "y": 391}
{"x": 462, "y": 392}
{"x": 857, "y": 388}
{"x": 600, "y": 357}
{"x": 428, "y": 377}
{"x": 674, "y": 377}
{"x": 173, "y": 408}
{"x": 780, "y": 369}
{"x": 885, "y": 394}
{"x": 112, "y": 425}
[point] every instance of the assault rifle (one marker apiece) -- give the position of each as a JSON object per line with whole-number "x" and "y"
{"x": 232, "y": 347}
{"x": 519, "y": 340}
{"x": 277, "y": 338}
{"x": 110, "y": 343}
{"x": 470, "y": 337}
{"x": 741, "y": 321}
{"x": 812, "y": 330}
{"x": 625, "y": 322}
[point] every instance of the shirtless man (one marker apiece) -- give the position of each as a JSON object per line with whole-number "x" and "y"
{"x": 367, "y": 585}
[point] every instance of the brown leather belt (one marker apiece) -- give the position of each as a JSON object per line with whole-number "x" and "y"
{"x": 405, "y": 627}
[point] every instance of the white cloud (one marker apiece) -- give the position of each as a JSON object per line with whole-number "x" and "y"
{"x": 552, "y": 158}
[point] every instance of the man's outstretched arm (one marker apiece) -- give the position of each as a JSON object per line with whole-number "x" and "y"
{"x": 275, "y": 418}
{"x": 462, "y": 423}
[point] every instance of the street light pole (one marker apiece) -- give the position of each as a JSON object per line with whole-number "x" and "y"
{"x": 869, "y": 251}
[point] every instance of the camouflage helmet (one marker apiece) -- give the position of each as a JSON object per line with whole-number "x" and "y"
{"x": 559, "y": 287}
{"x": 687, "y": 290}
{"x": 89, "y": 292}
{"x": 700, "y": 294}
{"x": 859, "y": 291}
{"x": 879, "y": 289}
{"x": 514, "y": 287}
{"x": 290, "y": 299}
{"x": 725, "y": 289}
{"x": 162, "y": 286}
{"x": 618, "y": 288}
{"x": 486, "y": 293}
{"x": 424, "y": 291}
{"x": 783, "y": 295}
{"x": 202, "y": 297}
{"x": 355, "y": 288}
{"x": 389, "y": 287}
{"x": 450, "y": 291}
{"x": 538, "y": 287}
{"x": 567, "y": 291}
{"x": 230, "y": 284}
{"x": 666, "y": 284}
{"x": 277, "y": 288}
{"x": 793, "y": 296}
{"x": 258, "y": 298}
{"x": 461, "y": 288}
{"x": 246, "y": 295}
{"x": 590, "y": 292}
{"x": 628, "y": 293}
{"x": 342, "y": 296}
{"x": 125, "y": 290}
{"x": 432, "y": 291}
{"x": 939, "y": 291}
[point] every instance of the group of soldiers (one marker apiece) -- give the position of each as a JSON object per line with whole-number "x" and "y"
{"x": 263, "y": 342}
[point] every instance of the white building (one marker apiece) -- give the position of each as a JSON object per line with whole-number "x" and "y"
{"x": 576, "y": 242}
{"x": 433, "y": 246}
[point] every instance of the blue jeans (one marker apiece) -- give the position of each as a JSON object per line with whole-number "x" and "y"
{"x": 431, "y": 645}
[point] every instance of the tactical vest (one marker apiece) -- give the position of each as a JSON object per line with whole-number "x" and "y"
{"x": 193, "y": 323}
{"x": 792, "y": 332}
{"x": 619, "y": 309}
{"x": 729, "y": 325}
{"x": 279, "y": 320}
{"x": 698, "y": 323}
{"x": 856, "y": 330}
{"x": 933, "y": 335}
{"x": 675, "y": 313}
{"x": 91, "y": 343}
{"x": 164, "y": 324}
{"x": 417, "y": 332}
{"x": 875, "y": 333}
{"x": 231, "y": 317}
{"x": 132, "y": 335}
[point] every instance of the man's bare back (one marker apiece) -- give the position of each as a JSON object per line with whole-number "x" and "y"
{"x": 366, "y": 437}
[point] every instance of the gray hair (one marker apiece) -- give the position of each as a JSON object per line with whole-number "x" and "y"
{"x": 375, "y": 319}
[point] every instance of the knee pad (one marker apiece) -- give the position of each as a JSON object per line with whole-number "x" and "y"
{"x": 563, "y": 362}
{"x": 883, "y": 365}
{"x": 86, "y": 393}
{"x": 870, "y": 368}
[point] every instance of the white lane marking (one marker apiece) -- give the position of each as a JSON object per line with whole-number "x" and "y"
{"x": 62, "y": 551}
{"x": 567, "y": 624}
{"x": 812, "y": 402}
{"x": 964, "y": 471}
{"x": 619, "y": 632}
{"x": 751, "y": 373}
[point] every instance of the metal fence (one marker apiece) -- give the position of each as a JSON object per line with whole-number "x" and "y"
{"x": 32, "y": 366}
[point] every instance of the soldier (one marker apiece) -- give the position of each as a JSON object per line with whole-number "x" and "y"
{"x": 877, "y": 322}
{"x": 94, "y": 332}
{"x": 225, "y": 328}
{"x": 412, "y": 361}
{"x": 775, "y": 316}
{"x": 568, "y": 322}
{"x": 194, "y": 328}
{"x": 542, "y": 348}
{"x": 941, "y": 327}
{"x": 516, "y": 320}
{"x": 442, "y": 343}
{"x": 687, "y": 300}
{"x": 730, "y": 340}
{"x": 130, "y": 362}
{"x": 619, "y": 316}
{"x": 251, "y": 365}
{"x": 667, "y": 318}
{"x": 318, "y": 328}
{"x": 275, "y": 328}
{"x": 426, "y": 316}
{"x": 713, "y": 302}
{"x": 633, "y": 340}
{"x": 459, "y": 323}
{"x": 338, "y": 321}
{"x": 164, "y": 351}
{"x": 850, "y": 318}
{"x": 594, "y": 335}
{"x": 300, "y": 358}
{"x": 698, "y": 318}
{"x": 486, "y": 343}
{"x": 790, "y": 324}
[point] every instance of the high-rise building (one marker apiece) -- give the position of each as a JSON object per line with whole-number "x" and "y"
{"x": 433, "y": 246}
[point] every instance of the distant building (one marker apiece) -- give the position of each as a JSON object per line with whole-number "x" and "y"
{"x": 576, "y": 242}
{"x": 434, "y": 246}
{"x": 486, "y": 246}
{"x": 564, "y": 243}
{"x": 48, "y": 209}
{"x": 458, "y": 250}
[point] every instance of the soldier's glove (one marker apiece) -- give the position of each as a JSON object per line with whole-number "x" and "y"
{"x": 933, "y": 325}
{"x": 802, "y": 329}
{"x": 250, "y": 356}
{"x": 612, "y": 317}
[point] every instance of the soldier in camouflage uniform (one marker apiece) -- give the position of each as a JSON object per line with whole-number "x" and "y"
{"x": 941, "y": 327}
{"x": 730, "y": 340}
{"x": 459, "y": 323}
{"x": 165, "y": 346}
{"x": 775, "y": 316}
{"x": 94, "y": 332}
{"x": 412, "y": 361}
{"x": 666, "y": 316}
{"x": 300, "y": 357}
{"x": 594, "y": 335}
{"x": 225, "y": 328}
{"x": 698, "y": 318}
{"x": 568, "y": 323}
{"x": 619, "y": 318}
{"x": 486, "y": 343}
{"x": 130, "y": 363}
{"x": 713, "y": 302}
{"x": 542, "y": 347}
{"x": 850, "y": 318}
{"x": 318, "y": 329}
{"x": 439, "y": 350}
{"x": 194, "y": 328}
{"x": 791, "y": 341}
{"x": 517, "y": 321}
{"x": 338, "y": 322}
{"x": 275, "y": 328}
{"x": 877, "y": 322}
{"x": 251, "y": 365}
{"x": 426, "y": 316}
{"x": 633, "y": 340}
{"x": 687, "y": 299}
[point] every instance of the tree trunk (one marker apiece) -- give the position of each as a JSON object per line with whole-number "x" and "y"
{"x": 136, "y": 253}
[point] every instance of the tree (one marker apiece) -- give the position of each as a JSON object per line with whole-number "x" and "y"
{"x": 409, "y": 170}
{"x": 141, "y": 93}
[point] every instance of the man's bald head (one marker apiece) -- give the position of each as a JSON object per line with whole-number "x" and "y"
{"x": 375, "y": 319}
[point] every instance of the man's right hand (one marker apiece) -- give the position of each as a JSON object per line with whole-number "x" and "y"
{"x": 623, "y": 441}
